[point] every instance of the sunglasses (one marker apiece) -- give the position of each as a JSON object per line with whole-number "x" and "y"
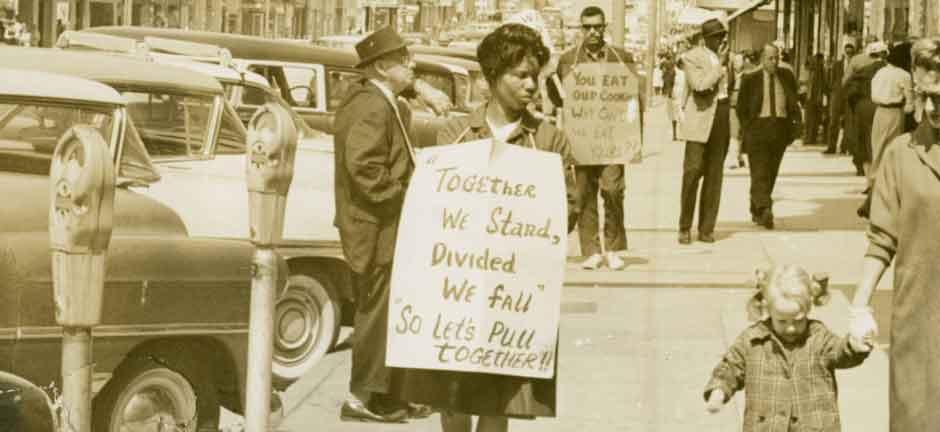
{"x": 589, "y": 27}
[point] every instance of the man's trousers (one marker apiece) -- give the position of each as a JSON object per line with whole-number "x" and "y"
{"x": 369, "y": 373}
{"x": 704, "y": 163}
{"x": 609, "y": 180}
{"x": 768, "y": 144}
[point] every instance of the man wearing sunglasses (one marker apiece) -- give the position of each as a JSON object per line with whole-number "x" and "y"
{"x": 706, "y": 130}
{"x": 607, "y": 179}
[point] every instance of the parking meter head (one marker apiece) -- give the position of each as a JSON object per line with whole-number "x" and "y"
{"x": 272, "y": 144}
{"x": 81, "y": 193}
{"x": 81, "y": 208}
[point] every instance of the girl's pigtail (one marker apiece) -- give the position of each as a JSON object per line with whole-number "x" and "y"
{"x": 756, "y": 305}
{"x": 820, "y": 289}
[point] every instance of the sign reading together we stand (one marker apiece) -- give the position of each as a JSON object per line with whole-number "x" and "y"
{"x": 480, "y": 261}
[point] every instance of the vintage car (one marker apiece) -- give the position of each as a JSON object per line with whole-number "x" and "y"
{"x": 246, "y": 91}
{"x": 304, "y": 69}
{"x": 160, "y": 354}
{"x": 197, "y": 144}
{"x": 24, "y": 406}
{"x": 349, "y": 41}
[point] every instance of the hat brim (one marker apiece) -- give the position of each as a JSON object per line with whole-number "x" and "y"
{"x": 366, "y": 61}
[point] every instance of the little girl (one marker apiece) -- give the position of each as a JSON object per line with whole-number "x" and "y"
{"x": 785, "y": 362}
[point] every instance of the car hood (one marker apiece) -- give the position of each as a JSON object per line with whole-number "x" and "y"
{"x": 134, "y": 214}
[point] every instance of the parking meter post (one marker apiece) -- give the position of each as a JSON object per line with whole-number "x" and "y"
{"x": 272, "y": 143}
{"x": 80, "y": 220}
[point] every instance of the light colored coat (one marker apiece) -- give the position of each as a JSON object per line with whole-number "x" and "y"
{"x": 702, "y": 71}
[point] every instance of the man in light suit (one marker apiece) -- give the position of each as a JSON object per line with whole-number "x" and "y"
{"x": 770, "y": 118}
{"x": 373, "y": 162}
{"x": 705, "y": 128}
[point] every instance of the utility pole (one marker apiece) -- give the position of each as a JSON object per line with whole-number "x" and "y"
{"x": 617, "y": 21}
{"x": 652, "y": 45}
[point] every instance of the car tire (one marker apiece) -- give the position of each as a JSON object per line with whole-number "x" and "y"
{"x": 144, "y": 391}
{"x": 307, "y": 321}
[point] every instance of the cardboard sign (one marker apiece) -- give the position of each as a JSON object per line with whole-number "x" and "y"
{"x": 480, "y": 261}
{"x": 601, "y": 113}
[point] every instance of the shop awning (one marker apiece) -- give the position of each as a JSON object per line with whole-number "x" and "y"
{"x": 692, "y": 15}
{"x": 754, "y": 4}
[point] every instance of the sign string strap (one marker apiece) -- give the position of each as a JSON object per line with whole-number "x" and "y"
{"x": 404, "y": 131}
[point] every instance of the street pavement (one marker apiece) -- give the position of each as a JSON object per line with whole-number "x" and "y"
{"x": 638, "y": 345}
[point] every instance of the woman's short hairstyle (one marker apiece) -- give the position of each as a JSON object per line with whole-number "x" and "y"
{"x": 506, "y": 47}
{"x": 925, "y": 54}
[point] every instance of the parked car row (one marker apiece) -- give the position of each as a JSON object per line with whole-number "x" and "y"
{"x": 179, "y": 240}
{"x": 175, "y": 124}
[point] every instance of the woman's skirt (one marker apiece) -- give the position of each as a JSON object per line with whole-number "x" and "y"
{"x": 478, "y": 393}
{"x": 886, "y": 126}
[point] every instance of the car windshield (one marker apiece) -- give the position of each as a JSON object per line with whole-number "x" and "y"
{"x": 171, "y": 125}
{"x": 29, "y": 131}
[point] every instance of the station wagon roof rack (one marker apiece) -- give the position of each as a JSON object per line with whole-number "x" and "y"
{"x": 199, "y": 51}
{"x": 103, "y": 42}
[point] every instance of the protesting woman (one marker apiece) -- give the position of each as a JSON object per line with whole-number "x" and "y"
{"x": 904, "y": 213}
{"x": 511, "y": 58}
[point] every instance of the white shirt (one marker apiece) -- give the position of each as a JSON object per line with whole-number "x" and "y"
{"x": 386, "y": 91}
{"x": 892, "y": 85}
{"x": 502, "y": 133}
{"x": 723, "y": 82}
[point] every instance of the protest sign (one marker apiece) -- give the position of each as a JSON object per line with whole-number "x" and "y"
{"x": 601, "y": 113}
{"x": 480, "y": 261}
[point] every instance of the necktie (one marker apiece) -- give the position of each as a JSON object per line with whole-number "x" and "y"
{"x": 773, "y": 96}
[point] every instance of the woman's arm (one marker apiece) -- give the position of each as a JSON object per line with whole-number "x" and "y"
{"x": 872, "y": 270}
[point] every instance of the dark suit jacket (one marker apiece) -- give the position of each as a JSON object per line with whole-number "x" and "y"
{"x": 372, "y": 170}
{"x": 751, "y": 98}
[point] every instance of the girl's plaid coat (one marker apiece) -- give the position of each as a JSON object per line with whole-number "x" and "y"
{"x": 785, "y": 391}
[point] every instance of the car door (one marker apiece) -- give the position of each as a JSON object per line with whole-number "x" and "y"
{"x": 303, "y": 86}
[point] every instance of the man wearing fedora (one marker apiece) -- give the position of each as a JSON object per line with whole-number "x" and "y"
{"x": 705, "y": 128}
{"x": 374, "y": 160}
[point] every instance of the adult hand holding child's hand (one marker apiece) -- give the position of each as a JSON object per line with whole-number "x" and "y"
{"x": 862, "y": 328}
{"x": 715, "y": 401}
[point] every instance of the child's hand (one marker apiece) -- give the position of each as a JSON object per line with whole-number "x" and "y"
{"x": 860, "y": 345}
{"x": 715, "y": 401}
{"x": 862, "y": 325}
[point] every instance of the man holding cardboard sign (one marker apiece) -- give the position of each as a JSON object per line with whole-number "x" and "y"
{"x": 602, "y": 121}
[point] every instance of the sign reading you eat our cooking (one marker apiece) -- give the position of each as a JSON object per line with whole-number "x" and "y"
{"x": 601, "y": 113}
{"x": 480, "y": 261}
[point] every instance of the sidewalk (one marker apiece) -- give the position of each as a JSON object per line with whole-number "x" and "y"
{"x": 637, "y": 345}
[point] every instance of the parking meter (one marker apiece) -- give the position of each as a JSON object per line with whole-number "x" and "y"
{"x": 272, "y": 144}
{"x": 80, "y": 220}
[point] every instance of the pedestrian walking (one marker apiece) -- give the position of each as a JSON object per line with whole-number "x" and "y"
{"x": 837, "y": 109}
{"x": 903, "y": 229}
{"x": 705, "y": 129}
{"x": 785, "y": 362}
{"x": 815, "y": 109}
{"x": 858, "y": 90}
{"x": 677, "y": 97}
{"x": 374, "y": 160}
{"x": 857, "y": 148}
{"x": 606, "y": 179}
{"x": 511, "y": 57}
{"x": 892, "y": 92}
{"x": 770, "y": 116}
